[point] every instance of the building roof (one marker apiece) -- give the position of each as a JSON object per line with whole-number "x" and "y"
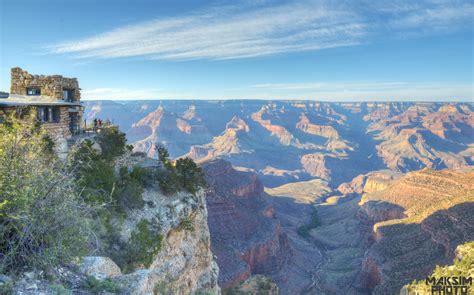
{"x": 34, "y": 100}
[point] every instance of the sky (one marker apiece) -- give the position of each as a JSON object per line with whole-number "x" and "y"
{"x": 337, "y": 50}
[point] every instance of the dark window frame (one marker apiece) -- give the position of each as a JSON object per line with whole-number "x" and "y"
{"x": 36, "y": 92}
{"x": 70, "y": 94}
{"x": 42, "y": 114}
{"x": 56, "y": 115}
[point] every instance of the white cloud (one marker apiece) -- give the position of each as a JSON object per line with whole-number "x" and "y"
{"x": 259, "y": 29}
{"x": 227, "y": 33}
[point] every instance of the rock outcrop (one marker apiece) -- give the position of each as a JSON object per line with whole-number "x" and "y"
{"x": 315, "y": 165}
{"x": 99, "y": 267}
{"x": 185, "y": 262}
{"x": 370, "y": 182}
{"x": 283, "y": 135}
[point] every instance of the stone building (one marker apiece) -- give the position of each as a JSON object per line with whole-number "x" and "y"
{"x": 55, "y": 98}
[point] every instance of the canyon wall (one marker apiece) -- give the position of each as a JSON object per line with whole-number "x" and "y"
{"x": 419, "y": 220}
{"x": 246, "y": 238}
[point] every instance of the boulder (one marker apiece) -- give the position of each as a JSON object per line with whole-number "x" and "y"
{"x": 99, "y": 267}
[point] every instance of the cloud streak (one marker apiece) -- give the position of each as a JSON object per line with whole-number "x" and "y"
{"x": 226, "y": 33}
{"x": 235, "y": 32}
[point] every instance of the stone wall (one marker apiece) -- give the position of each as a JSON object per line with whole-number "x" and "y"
{"x": 51, "y": 86}
{"x": 59, "y": 129}
{"x": 56, "y": 130}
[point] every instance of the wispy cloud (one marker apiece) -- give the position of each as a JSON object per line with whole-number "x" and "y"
{"x": 227, "y": 33}
{"x": 255, "y": 30}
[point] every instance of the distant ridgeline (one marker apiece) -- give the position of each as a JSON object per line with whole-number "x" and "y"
{"x": 331, "y": 141}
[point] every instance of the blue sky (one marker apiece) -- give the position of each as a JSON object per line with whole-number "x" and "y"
{"x": 309, "y": 49}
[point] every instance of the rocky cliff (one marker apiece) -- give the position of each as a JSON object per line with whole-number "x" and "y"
{"x": 185, "y": 262}
{"x": 246, "y": 238}
{"x": 173, "y": 241}
{"x": 419, "y": 220}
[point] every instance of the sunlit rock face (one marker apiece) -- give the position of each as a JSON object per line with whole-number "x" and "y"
{"x": 419, "y": 219}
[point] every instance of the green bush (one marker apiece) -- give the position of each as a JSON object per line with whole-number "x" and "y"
{"x": 460, "y": 267}
{"x": 6, "y": 289}
{"x": 168, "y": 181}
{"x": 130, "y": 189}
{"x": 182, "y": 174}
{"x": 59, "y": 290}
{"x": 94, "y": 174}
{"x": 98, "y": 286}
{"x": 145, "y": 244}
{"x": 112, "y": 142}
{"x": 190, "y": 176}
{"x": 161, "y": 288}
{"x": 44, "y": 221}
{"x": 186, "y": 224}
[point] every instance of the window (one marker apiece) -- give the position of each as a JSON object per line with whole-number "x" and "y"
{"x": 56, "y": 115}
{"x": 33, "y": 91}
{"x": 42, "y": 114}
{"x": 51, "y": 114}
{"x": 68, "y": 94}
